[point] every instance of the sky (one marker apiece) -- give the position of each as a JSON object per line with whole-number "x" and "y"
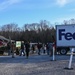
{"x": 32, "y": 11}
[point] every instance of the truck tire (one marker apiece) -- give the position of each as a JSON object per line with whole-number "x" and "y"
{"x": 63, "y": 51}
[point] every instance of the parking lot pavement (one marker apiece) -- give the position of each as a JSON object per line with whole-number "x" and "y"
{"x": 35, "y": 65}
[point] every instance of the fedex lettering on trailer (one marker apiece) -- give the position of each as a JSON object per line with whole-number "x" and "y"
{"x": 65, "y": 35}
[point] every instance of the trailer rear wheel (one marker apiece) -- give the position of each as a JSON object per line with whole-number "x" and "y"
{"x": 63, "y": 51}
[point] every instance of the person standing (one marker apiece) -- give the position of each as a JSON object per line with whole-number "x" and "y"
{"x": 33, "y": 48}
{"x": 44, "y": 48}
{"x": 47, "y": 47}
{"x": 22, "y": 49}
{"x": 9, "y": 48}
{"x": 51, "y": 48}
{"x": 39, "y": 48}
{"x": 27, "y": 49}
{"x": 12, "y": 49}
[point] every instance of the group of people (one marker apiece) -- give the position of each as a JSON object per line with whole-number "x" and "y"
{"x": 45, "y": 48}
{"x": 11, "y": 47}
{"x": 25, "y": 48}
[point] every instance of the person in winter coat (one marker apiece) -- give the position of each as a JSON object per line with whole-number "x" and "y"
{"x": 9, "y": 48}
{"x": 27, "y": 49}
{"x": 12, "y": 49}
{"x": 39, "y": 48}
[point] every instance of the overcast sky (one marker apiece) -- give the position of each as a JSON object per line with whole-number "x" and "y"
{"x": 31, "y": 11}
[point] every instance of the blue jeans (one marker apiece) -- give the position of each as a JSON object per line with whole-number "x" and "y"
{"x": 9, "y": 52}
{"x": 22, "y": 51}
{"x": 38, "y": 51}
{"x": 48, "y": 51}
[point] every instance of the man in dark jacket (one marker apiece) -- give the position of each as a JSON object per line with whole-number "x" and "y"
{"x": 39, "y": 48}
{"x": 27, "y": 47}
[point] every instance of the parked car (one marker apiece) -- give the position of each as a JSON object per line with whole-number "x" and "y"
{"x": 3, "y": 44}
{"x": 2, "y": 47}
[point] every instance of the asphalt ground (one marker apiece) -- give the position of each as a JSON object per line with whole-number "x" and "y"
{"x": 36, "y": 65}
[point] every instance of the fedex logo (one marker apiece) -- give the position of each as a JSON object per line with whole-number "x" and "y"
{"x": 67, "y": 36}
